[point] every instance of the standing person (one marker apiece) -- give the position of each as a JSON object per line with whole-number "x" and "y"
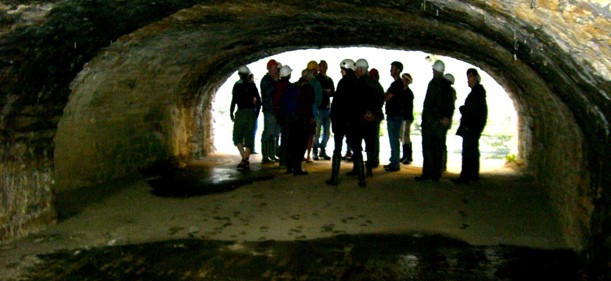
{"x": 472, "y": 123}
{"x": 375, "y": 74}
{"x": 312, "y": 67}
{"x": 251, "y": 79}
{"x": 323, "y": 122}
{"x": 281, "y": 86}
{"x": 408, "y": 119}
{"x": 296, "y": 105}
{"x": 343, "y": 116}
{"x": 373, "y": 98}
{"x": 246, "y": 97}
{"x": 395, "y": 100}
{"x": 450, "y": 79}
{"x": 436, "y": 119}
{"x": 271, "y": 129}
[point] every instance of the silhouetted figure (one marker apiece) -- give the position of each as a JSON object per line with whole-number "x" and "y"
{"x": 323, "y": 123}
{"x": 342, "y": 115}
{"x": 271, "y": 129}
{"x": 408, "y": 119}
{"x": 472, "y": 123}
{"x": 436, "y": 119}
{"x": 296, "y": 105}
{"x": 395, "y": 105}
{"x": 246, "y": 97}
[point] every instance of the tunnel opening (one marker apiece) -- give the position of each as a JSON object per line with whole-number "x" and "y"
{"x": 160, "y": 101}
{"x": 499, "y": 142}
{"x": 133, "y": 105}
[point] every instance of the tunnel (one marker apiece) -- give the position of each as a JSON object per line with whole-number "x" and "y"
{"x": 96, "y": 90}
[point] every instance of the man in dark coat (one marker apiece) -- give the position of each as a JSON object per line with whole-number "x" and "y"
{"x": 343, "y": 117}
{"x": 474, "y": 115}
{"x": 296, "y": 104}
{"x": 436, "y": 120}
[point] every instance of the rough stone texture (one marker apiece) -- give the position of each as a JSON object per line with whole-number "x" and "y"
{"x": 147, "y": 72}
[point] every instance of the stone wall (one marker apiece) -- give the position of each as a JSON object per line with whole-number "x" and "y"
{"x": 132, "y": 81}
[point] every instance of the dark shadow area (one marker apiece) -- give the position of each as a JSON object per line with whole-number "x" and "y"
{"x": 360, "y": 257}
{"x": 168, "y": 180}
{"x": 69, "y": 203}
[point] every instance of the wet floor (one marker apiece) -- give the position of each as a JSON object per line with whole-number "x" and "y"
{"x": 347, "y": 257}
{"x": 210, "y": 221}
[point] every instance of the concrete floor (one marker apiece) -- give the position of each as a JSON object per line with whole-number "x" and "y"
{"x": 503, "y": 208}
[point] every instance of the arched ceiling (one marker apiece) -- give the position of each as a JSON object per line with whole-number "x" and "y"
{"x": 147, "y": 69}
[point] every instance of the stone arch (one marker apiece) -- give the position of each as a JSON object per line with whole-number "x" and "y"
{"x": 139, "y": 101}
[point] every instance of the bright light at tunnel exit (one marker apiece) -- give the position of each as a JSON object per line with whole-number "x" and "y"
{"x": 499, "y": 138}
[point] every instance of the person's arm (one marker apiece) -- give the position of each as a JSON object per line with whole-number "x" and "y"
{"x": 233, "y": 103}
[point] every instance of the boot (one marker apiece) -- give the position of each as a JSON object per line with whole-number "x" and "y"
{"x": 358, "y": 166}
{"x": 323, "y": 154}
{"x": 334, "y": 171}
{"x": 407, "y": 154}
{"x": 315, "y": 153}
{"x": 370, "y": 164}
{"x": 272, "y": 150}
{"x": 264, "y": 152}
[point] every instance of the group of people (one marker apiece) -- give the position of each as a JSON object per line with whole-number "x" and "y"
{"x": 298, "y": 118}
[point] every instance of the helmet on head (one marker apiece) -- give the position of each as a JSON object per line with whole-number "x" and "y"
{"x": 348, "y": 64}
{"x": 312, "y": 65}
{"x": 449, "y": 77}
{"x": 271, "y": 63}
{"x": 439, "y": 66}
{"x": 362, "y": 63}
{"x": 243, "y": 70}
{"x": 407, "y": 76}
{"x": 285, "y": 71}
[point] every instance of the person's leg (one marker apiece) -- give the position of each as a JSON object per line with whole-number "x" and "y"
{"x": 316, "y": 138}
{"x": 393, "y": 125}
{"x": 470, "y": 167}
{"x": 309, "y": 141}
{"x": 249, "y": 139}
{"x": 299, "y": 148}
{"x": 326, "y": 133}
{"x": 338, "y": 138}
{"x": 427, "y": 154}
{"x": 406, "y": 141}
{"x": 355, "y": 139}
{"x": 437, "y": 161}
{"x": 375, "y": 135}
{"x": 266, "y": 137}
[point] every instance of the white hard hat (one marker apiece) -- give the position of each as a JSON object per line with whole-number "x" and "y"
{"x": 285, "y": 71}
{"x": 439, "y": 66}
{"x": 449, "y": 77}
{"x": 362, "y": 63}
{"x": 348, "y": 64}
{"x": 243, "y": 70}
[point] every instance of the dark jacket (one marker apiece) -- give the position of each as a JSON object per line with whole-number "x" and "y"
{"x": 372, "y": 97}
{"x": 305, "y": 101}
{"x": 327, "y": 83}
{"x": 408, "y": 113}
{"x": 245, "y": 95}
{"x": 342, "y": 111}
{"x": 474, "y": 112}
{"x": 395, "y": 106}
{"x": 267, "y": 93}
{"x": 438, "y": 104}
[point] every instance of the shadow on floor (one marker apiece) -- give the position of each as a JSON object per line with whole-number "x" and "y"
{"x": 204, "y": 178}
{"x": 356, "y": 257}
{"x": 70, "y": 203}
